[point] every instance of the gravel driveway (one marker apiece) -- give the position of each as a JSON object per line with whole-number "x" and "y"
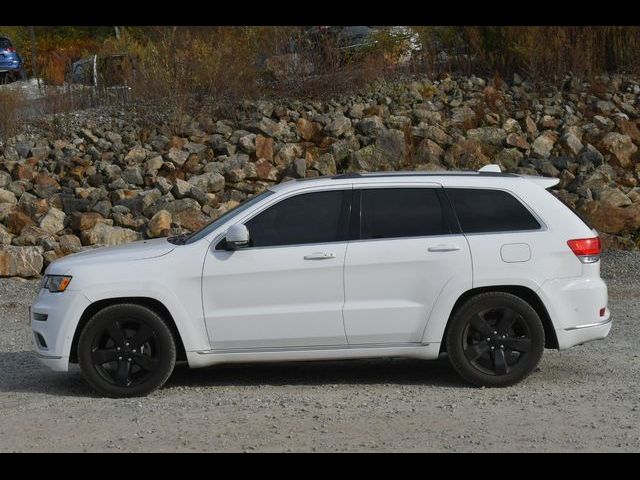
{"x": 583, "y": 399}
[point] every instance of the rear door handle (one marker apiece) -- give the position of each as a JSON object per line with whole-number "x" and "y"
{"x": 444, "y": 248}
{"x": 320, "y": 256}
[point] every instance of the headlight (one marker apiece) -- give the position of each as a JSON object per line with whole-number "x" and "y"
{"x": 56, "y": 283}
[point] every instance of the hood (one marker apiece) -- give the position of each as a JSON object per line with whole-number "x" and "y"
{"x": 119, "y": 253}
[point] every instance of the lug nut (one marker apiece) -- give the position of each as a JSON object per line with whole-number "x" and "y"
{"x": 493, "y": 348}
{"x": 126, "y": 344}
{"x": 488, "y": 339}
{"x": 128, "y": 359}
{"x": 119, "y": 358}
{"x": 134, "y": 350}
{"x": 502, "y": 347}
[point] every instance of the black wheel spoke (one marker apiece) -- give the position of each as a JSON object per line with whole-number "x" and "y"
{"x": 142, "y": 335}
{"x": 103, "y": 356}
{"x": 472, "y": 352}
{"x": 116, "y": 334}
{"x": 500, "y": 362}
{"x": 122, "y": 375}
{"x": 517, "y": 344}
{"x": 506, "y": 320}
{"x": 145, "y": 362}
{"x": 480, "y": 324}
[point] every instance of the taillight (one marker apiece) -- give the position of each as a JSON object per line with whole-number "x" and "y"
{"x": 586, "y": 249}
{"x": 11, "y": 49}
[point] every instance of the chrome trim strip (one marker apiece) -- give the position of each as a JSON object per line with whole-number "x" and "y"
{"x": 48, "y": 357}
{"x": 311, "y": 348}
{"x": 588, "y": 325}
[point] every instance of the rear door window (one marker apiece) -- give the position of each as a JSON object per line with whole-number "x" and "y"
{"x": 484, "y": 210}
{"x": 401, "y": 212}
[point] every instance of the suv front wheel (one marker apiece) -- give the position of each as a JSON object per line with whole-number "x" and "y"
{"x": 495, "y": 339}
{"x": 126, "y": 350}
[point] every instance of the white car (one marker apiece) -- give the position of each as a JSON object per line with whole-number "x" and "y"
{"x": 488, "y": 267}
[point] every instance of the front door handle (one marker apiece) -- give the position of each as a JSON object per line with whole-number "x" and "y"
{"x": 320, "y": 256}
{"x": 444, "y": 248}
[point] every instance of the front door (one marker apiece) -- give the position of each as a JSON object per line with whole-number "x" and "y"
{"x": 285, "y": 290}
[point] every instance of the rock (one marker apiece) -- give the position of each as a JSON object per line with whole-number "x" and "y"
{"x": 5, "y": 236}
{"x": 509, "y": 158}
{"x": 573, "y": 143}
{"x": 181, "y": 188}
{"x": 307, "y": 129}
{"x": 370, "y": 125}
{"x": 53, "y": 221}
{"x": 103, "y": 234}
{"x": 69, "y": 244}
{"x": 264, "y": 148}
{"x": 247, "y": 143}
{"x": 137, "y": 155}
{"x": 20, "y": 261}
{"x": 463, "y": 116}
{"x": 608, "y": 218}
{"x": 81, "y": 221}
{"x": 543, "y": 145}
{"x": 7, "y": 197}
{"x": 160, "y": 224}
{"x": 17, "y": 220}
{"x": 620, "y": 147}
{"x": 299, "y": 168}
{"x": 208, "y": 182}
{"x": 466, "y": 154}
{"x": 177, "y": 156}
{"x": 518, "y": 140}
{"x": 338, "y": 126}
{"x": 614, "y": 196}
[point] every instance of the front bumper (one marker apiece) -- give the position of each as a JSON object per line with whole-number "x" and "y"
{"x": 52, "y": 337}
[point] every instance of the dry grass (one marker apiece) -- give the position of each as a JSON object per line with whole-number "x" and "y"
{"x": 11, "y": 107}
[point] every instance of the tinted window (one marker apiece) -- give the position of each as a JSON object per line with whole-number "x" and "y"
{"x": 5, "y": 43}
{"x": 481, "y": 210}
{"x": 401, "y": 212}
{"x": 317, "y": 217}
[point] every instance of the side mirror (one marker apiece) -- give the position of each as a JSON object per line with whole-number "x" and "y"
{"x": 237, "y": 237}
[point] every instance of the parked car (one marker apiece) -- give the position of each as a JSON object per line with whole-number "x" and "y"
{"x": 488, "y": 267}
{"x": 11, "y": 65}
{"x": 104, "y": 71}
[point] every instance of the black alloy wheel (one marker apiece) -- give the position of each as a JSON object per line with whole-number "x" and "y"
{"x": 495, "y": 339}
{"x": 126, "y": 350}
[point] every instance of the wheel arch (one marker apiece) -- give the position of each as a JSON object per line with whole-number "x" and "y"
{"x": 151, "y": 303}
{"x": 526, "y": 294}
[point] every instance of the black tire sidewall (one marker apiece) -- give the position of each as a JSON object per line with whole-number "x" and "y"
{"x": 97, "y": 324}
{"x": 454, "y": 340}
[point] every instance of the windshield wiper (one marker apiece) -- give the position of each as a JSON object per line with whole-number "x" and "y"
{"x": 179, "y": 239}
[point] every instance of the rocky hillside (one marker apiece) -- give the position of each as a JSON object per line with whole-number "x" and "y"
{"x": 110, "y": 180}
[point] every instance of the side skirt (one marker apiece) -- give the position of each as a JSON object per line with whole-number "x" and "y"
{"x": 205, "y": 358}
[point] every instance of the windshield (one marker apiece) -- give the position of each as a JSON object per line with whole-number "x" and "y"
{"x": 207, "y": 229}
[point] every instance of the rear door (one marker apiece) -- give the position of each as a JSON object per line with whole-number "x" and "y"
{"x": 405, "y": 248}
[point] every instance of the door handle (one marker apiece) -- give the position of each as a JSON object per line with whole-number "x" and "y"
{"x": 444, "y": 248}
{"x": 320, "y": 256}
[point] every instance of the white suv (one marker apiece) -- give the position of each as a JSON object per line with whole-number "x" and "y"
{"x": 488, "y": 267}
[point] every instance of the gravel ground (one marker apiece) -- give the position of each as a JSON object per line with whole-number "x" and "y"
{"x": 584, "y": 399}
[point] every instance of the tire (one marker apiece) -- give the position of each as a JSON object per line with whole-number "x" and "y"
{"x": 126, "y": 350}
{"x": 495, "y": 339}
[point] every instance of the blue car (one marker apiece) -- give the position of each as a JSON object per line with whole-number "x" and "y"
{"x": 11, "y": 65}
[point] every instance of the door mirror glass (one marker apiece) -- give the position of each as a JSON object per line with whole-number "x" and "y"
{"x": 237, "y": 237}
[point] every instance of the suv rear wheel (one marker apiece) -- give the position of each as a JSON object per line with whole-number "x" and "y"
{"x": 495, "y": 339}
{"x": 126, "y": 350}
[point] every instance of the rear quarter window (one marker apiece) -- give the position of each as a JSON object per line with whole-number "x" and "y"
{"x": 485, "y": 210}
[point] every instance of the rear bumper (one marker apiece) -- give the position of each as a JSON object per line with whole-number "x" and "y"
{"x": 574, "y": 305}
{"x": 583, "y": 333}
